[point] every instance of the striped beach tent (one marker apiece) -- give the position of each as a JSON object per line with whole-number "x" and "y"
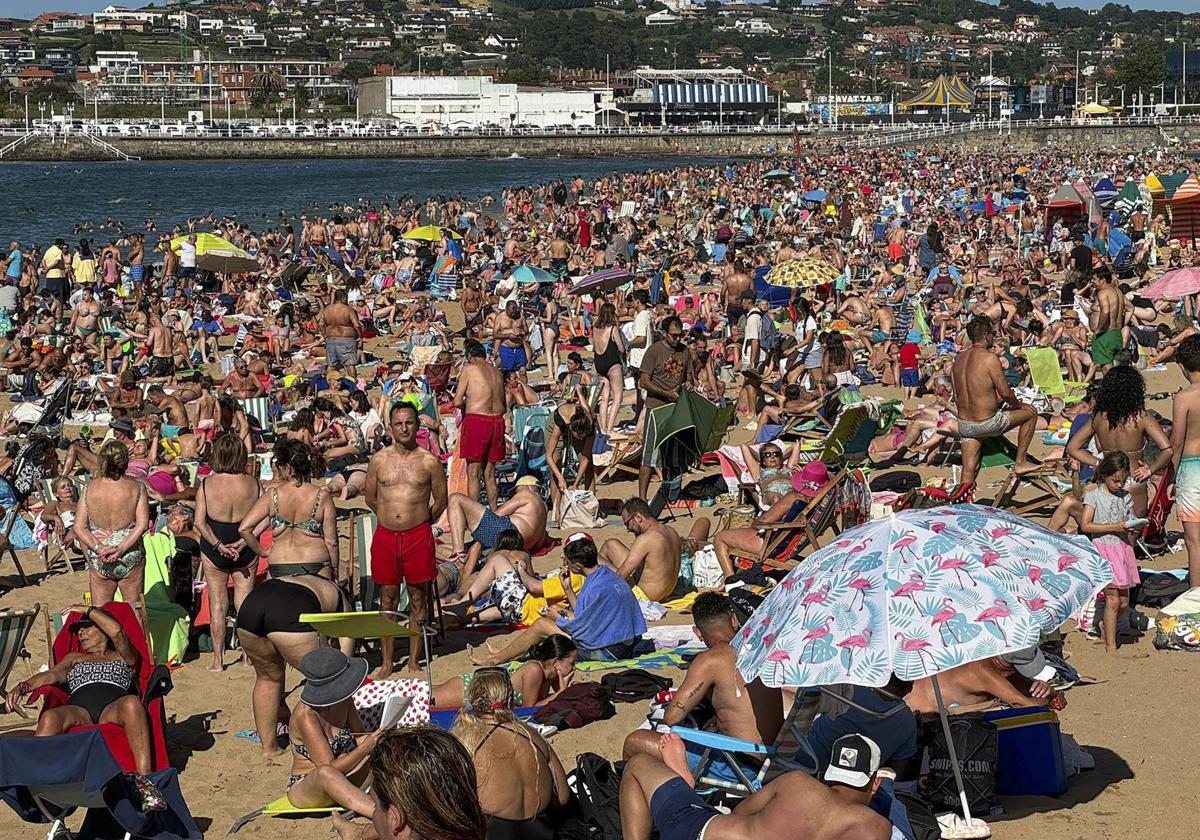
{"x": 1128, "y": 198}
{"x": 1105, "y": 191}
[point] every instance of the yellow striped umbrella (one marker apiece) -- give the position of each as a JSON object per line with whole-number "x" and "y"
{"x": 801, "y": 273}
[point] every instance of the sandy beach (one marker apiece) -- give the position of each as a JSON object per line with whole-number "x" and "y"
{"x": 1134, "y": 722}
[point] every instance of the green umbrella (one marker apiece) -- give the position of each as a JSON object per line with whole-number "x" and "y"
{"x": 777, "y": 175}
{"x": 532, "y": 274}
{"x": 687, "y": 429}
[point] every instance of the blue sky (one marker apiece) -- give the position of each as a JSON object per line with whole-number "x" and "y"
{"x": 32, "y": 8}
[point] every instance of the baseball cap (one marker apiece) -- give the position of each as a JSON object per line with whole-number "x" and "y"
{"x": 1030, "y": 663}
{"x": 854, "y": 762}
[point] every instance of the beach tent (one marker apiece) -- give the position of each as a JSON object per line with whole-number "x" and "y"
{"x": 1178, "y": 197}
{"x": 1105, "y": 191}
{"x": 1128, "y": 198}
{"x": 1089, "y": 201}
{"x": 1066, "y": 204}
{"x": 943, "y": 92}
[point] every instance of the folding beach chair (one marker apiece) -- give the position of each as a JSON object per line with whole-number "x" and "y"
{"x": 44, "y": 780}
{"x": 1043, "y": 480}
{"x": 282, "y": 807}
{"x": 801, "y": 527}
{"x": 1154, "y": 537}
{"x": 1046, "y": 374}
{"x": 14, "y": 631}
{"x": 259, "y": 409}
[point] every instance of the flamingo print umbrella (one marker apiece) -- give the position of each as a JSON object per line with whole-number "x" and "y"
{"x": 916, "y": 594}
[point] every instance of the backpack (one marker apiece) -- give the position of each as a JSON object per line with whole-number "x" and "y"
{"x": 724, "y": 234}
{"x": 976, "y": 743}
{"x": 597, "y": 786}
{"x": 896, "y": 481}
{"x": 633, "y": 685}
{"x": 1158, "y": 590}
{"x": 708, "y": 487}
{"x": 768, "y": 332}
{"x": 576, "y": 706}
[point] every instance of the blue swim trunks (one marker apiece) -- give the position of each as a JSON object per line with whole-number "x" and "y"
{"x": 512, "y": 358}
{"x": 910, "y": 377}
{"x": 487, "y": 532}
{"x": 678, "y": 813}
{"x": 136, "y": 272}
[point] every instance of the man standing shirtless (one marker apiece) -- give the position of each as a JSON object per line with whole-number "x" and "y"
{"x": 343, "y": 334}
{"x": 979, "y": 391}
{"x": 137, "y": 271}
{"x": 512, "y": 332}
{"x": 732, "y": 288}
{"x": 158, "y": 343}
{"x": 480, "y": 396}
{"x": 406, "y": 490}
{"x": 1185, "y": 443}
{"x": 1107, "y": 318}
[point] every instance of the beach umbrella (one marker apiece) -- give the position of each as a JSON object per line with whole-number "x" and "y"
{"x": 1176, "y": 284}
{"x": 532, "y": 274}
{"x": 227, "y": 261}
{"x": 430, "y": 233}
{"x": 777, "y": 175}
{"x": 815, "y": 195}
{"x": 605, "y": 280}
{"x": 206, "y": 242}
{"x": 687, "y": 429}
{"x": 1023, "y": 170}
{"x": 915, "y": 594}
{"x": 802, "y": 272}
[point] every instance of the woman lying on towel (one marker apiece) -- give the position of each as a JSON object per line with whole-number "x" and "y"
{"x": 521, "y": 780}
{"x": 102, "y": 681}
{"x": 549, "y": 669}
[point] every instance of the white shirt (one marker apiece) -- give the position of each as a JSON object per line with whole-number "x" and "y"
{"x": 642, "y": 326}
{"x": 187, "y": 255}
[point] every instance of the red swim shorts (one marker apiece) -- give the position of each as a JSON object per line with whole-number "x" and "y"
{"x": 482, "y": 438}
{"x": 895, "y": 250}
{"x": 403, "y": 556}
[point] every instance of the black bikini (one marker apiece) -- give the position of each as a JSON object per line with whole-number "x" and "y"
{"x": 276, "y": 604}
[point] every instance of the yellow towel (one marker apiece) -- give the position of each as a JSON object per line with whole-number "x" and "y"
{"x": 679, "y": 604}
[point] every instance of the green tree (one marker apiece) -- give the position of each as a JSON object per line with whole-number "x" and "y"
{"x": 355, "y": 70}
{"x": 301, "y": 95}
{"x": 1144, "y": 66}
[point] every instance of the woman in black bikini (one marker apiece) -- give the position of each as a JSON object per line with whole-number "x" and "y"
{"x": 521, "y": 780}
{"x": 102, "y": 680}
{"x": 222, "y": 500}
{"x": 304, "y": 530}
{"x": 608, "y": 343}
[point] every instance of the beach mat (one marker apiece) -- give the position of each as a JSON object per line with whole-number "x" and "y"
{"x": 443, "y": 718}
{"x": 671, "y": 658}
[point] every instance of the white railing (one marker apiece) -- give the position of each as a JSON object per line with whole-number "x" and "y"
{"x": 108, "y": 147}
{"x": 21, "y": 140}
{"x": 910, "y": 133}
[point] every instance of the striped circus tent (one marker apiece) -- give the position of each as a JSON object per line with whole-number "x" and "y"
{"x": 944, "y": 91}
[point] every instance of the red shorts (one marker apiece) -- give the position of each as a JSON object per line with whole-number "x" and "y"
{"x": 895, "y": 250}
{"x": 482, "y": 437}
{"x": 403, "y": 556}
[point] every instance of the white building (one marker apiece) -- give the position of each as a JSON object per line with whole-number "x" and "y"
{"x": 471, "y": 102}
{"x": 663, "y": 17}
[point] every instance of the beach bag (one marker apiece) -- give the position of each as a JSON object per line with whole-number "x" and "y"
{"x": 633, "y": 685}
{"x": 597, "y": 786}
{"x": 1158, "y": 590}
{"x": 1177, "y": 632}
{"x": 921, "y": 818}
{"x": 744, "y": 602}
{"x": 976, "y": 743}
{"x": 580, "y": 511}
{"x": 577, "y": 705}
{"x": 895, "y": 481}
{"x": 706, "y": 571}
{"x": 724, "y": 234}
{"x": 705, "y": 488}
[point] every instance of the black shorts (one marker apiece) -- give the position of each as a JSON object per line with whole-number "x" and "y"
{"x": 161, "y": 366}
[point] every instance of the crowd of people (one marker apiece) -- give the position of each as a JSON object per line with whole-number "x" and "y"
{"x": 246, "y": 411}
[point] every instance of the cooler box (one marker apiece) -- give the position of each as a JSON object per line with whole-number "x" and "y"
{"x": 1029, "y": 752}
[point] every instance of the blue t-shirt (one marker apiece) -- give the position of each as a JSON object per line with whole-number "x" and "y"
{"x": 606, "y": 612}
{"x": 14, "y": 264}
{"x": 896, "y": 734}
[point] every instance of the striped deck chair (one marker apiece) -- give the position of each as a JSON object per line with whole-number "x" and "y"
{"x": 259, "y": 408}
{"x": 14, "y": 631}
{"x": 802, "y": 527}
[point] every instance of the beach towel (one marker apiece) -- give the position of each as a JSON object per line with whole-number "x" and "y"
{"x": 169, "y": 622}
{"x": 672, "y": 658}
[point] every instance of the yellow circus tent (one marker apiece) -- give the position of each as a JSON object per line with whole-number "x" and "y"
{"x": 942, "y": 92}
